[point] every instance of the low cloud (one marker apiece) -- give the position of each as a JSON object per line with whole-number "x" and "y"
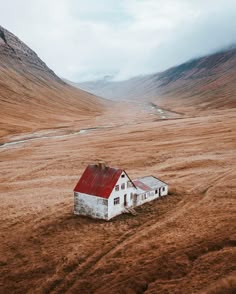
{"x": 87, "y": 40}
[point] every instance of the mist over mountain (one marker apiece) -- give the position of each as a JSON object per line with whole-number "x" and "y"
{"x": 209, "y": 80}
{"x": 127, "y": 37}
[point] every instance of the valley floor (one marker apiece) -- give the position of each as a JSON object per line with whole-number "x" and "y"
{"x": 184, "y": 243}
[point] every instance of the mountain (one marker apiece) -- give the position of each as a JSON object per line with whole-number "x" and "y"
{"x": 206, "y": 82}
{"x": 32, "y": 96}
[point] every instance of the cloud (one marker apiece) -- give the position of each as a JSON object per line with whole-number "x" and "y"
{"x": 84, "y": 40}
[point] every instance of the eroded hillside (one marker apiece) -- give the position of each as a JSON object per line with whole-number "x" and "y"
{"x": 32, "y": 97}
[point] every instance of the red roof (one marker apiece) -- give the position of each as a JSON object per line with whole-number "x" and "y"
{"x": 98, "y": 181}
{"x": 141, "y": 185}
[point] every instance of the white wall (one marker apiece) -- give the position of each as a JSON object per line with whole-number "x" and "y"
{"x": 152, "y": 195}
{"x": 146, "y": 197}
{"x": 93, "y": 206}
{"x": 117, "y": 209}
{"x": 165, "y": 191}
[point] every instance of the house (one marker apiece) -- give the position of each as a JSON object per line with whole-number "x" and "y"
{"x": 104, "y": 192}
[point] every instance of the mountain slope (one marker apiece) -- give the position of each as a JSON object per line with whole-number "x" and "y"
{"x": 32, "y": 96}
{"x": 206, "y": 82}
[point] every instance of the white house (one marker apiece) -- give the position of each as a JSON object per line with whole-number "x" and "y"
{"x": 104, "y": 192}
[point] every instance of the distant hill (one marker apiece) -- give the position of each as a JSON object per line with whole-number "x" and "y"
{"x": 206, "y": 82}
{"x": 32, "y": 96}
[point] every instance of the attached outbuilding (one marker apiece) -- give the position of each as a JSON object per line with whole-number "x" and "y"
{"x": 149, "y": 188}
{"x": 104, "y": 192}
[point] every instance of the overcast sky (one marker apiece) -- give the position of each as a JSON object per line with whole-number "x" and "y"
{"x": 88, "y": 39}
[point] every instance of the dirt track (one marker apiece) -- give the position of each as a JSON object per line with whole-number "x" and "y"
{"x": 184, "y": 243}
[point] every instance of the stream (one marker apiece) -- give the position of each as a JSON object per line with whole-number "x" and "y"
{"x": 82, "y": 131}
{"x": 162, "y": 114}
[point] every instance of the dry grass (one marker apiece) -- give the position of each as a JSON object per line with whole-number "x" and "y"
{"x": 30, "y": 102}
{"x": 181, "y": 244}
{"x": 225, "y": 285}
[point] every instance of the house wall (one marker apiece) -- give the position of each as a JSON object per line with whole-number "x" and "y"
{"x": 146, "y": 197}
{"x": 151, "y": 195}
{"x": 165, "y": 191}
{"x": 117, "y": 209}
{"x": 93, "y": 206}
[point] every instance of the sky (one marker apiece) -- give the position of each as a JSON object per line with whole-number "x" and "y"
{"x": 85, "y": 40}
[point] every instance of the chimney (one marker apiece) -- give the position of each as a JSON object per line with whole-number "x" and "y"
{"x": 102, "y": 165}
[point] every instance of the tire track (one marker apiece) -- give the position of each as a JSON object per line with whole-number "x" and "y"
{"x": 211, "y": 182}
{"x": 67, "y": 281}
{"x": 94, "y": 262}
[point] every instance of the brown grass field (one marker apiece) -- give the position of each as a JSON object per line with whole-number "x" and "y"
{"x": 184, "y": 243}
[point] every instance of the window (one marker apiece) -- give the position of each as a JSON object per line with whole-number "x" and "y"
{"x": 123, "y": 175}
{"x": 163, "y": 189}
{"x": 144, "y": 196}
{"x": 116, "y": 200}
{"x": 117, "y": 188}
{"x": 129, "y": 184}
{"x": 123, "y": 186}
{"x": 156, "y": 191}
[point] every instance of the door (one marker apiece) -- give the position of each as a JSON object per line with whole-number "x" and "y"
{"x": 125, "y": 200}
{"x": 135, "y": 199}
